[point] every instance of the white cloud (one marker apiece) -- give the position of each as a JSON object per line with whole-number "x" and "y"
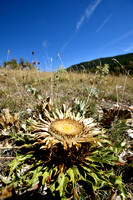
{"x": 105, "y": 21}
{"x": 129, "y": 48}
{"x": 87, "y": 14}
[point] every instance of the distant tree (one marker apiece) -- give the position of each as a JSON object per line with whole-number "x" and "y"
{"x": 21, "y": 61}
{"x": 22, "y": 64}
{"x": 4, "y": 64}
{"x": 14, "y": 64}
{"x": 11, "y": 64}
{"x": 7, "y": 64}
{"x": 14, "y": 60}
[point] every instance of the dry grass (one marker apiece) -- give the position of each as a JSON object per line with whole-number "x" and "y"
{"x": 63, "y": 87}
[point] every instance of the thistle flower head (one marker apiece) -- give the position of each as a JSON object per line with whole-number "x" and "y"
{"x": 64, "y": 127}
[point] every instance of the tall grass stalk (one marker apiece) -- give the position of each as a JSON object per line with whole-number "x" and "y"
{"x": 52, "y": 91}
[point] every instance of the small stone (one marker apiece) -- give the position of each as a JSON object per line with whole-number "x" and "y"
{"x": 131, "y": 108}
{"x": 118, "y": 198}
{"x": 23, "y": 126}
{"x": 130, "y": 135}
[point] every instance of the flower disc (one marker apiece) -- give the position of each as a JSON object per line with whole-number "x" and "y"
{"x": 66, "y": 127}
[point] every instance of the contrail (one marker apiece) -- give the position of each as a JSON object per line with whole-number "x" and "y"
{"x": 105, "y": 21}
{"x": 129, "y": 48}
{"x": 87, "y": 14}
{"x": 66, "y": 44}
{"x": 119, "y": 39}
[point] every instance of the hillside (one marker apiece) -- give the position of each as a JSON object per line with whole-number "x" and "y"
{"x": 116, "y": 64}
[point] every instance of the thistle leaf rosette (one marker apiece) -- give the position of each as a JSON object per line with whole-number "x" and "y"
{"x": 68, "y": 153}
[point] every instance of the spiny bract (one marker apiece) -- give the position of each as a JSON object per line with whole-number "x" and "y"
{"x": 65, "y": 127}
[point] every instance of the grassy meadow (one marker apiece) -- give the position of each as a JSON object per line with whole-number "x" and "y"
{"x": 93, "y": 96}
{"x": 63, "y": 87}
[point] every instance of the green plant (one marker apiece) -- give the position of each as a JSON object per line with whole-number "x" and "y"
{"x": 12, "y": 64}
{"x": 117, "y": 131}
{"x": 34, "y": 92}
{"x": 66, "y": 152}
{"x": 79, "y": 106}
{"x": 101, "y": 72}
{"x": 61, "y": 74}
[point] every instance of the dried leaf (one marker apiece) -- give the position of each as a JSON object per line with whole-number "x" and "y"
{"x": 6, "y": 120}
{"x": 7, "y": 192}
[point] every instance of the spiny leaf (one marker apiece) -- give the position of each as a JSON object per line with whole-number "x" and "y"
{"x": 94, "y": 175}
{"x": 45, "y": 175}
{"x": 82, "y": 173}
{"x": 86, "y": 169}
{"x": 101, "y": 176}
{"x": 63, "y": 181}
{"x": 27, "y": 146}
{"x": 36, "y": 173}
{"x": 70, "y": 172}
{"x": 118, "y": 180}
{"x": 17, "y": 161}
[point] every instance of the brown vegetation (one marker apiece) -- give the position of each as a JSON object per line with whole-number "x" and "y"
{"x": 15, "y": 87}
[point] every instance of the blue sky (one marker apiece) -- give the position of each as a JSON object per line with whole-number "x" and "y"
{"x": 65, "y": 32}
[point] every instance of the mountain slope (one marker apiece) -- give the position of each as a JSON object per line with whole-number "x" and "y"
{"x": 116, "y": 64}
